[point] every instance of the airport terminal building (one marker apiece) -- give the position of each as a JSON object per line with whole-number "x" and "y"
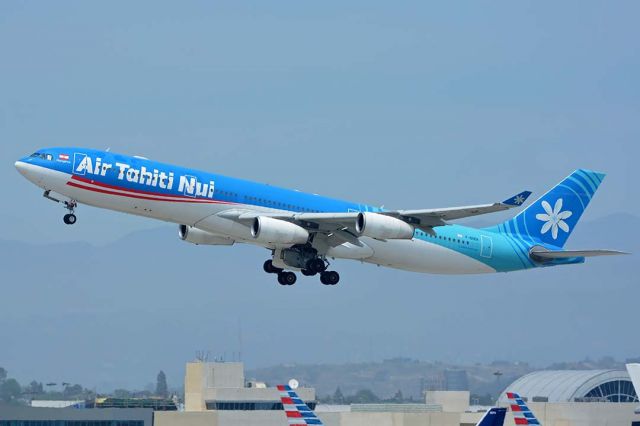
{"x": 216, "y": 394}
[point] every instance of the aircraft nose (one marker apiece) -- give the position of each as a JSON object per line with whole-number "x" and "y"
{"x": 29, "y": 171}
{"x": 21, "y": 166}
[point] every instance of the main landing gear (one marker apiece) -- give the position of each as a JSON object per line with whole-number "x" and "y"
{"x": 69, "y": 218}
{"x": 314, "y": 267}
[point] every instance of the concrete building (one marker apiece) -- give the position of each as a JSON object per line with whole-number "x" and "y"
{"x": 11, "y": 415}
{"x": 221, "y": 386}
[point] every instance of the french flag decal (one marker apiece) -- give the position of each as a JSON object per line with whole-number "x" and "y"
{"x": 63, "y": 157}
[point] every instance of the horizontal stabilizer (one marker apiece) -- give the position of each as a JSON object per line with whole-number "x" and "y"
{"x": 564, "y": 254}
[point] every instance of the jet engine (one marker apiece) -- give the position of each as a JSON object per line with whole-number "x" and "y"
{"x": 198, "y": 236}
{"x": 268, "y": 230}
{"x": 382, "y": 227}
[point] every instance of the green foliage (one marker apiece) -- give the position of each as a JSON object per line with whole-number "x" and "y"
{"x": 363, "y": 396}
{"x": 3, "y": 375}
{"x": 73, "y": 392}
{"x": 10, "y": 390}
{"x": 338, "y": 397}
{"x": 34, "y": 388}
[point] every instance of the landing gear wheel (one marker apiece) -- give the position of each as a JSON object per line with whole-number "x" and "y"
{"x": 269, "y": 268}
{"x": 287, "y": 278}
{"x": 316, "y": 265}
{"x": 308, "y": 273}
{"x": 329, "y": 278}
{"x": 69, "y": 219}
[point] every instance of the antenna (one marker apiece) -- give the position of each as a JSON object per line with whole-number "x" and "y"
{"x": 239, "y": 340}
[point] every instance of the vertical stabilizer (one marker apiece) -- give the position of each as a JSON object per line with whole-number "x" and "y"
{"x": 521, "y": 413}
{"x": 551, "y": 218}
{"x": 297, "y": 411}
{"x": 493, "y": 417}
{"x": 634, "y": 373}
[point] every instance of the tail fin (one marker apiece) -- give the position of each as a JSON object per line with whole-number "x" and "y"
{"x": 521, "y": 413}
{"x": 551, "y": 218}
{"x": 298, "y": 413}
{"x": 493, "y": 417}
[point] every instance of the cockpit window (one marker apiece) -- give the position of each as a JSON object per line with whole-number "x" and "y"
{"x": 42, "y": 155}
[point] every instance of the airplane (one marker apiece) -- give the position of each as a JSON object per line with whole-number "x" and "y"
{"x": 522, "y": 415}
{"x": 303, "y": 231}
{"x": 493, "y": 417}
{"x": 634, "y": 373}
{"x": 297, "y": 411}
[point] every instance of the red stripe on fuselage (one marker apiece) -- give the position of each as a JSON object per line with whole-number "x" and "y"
{"x": 143, "y": 197}
{"x": 135, "y": 191}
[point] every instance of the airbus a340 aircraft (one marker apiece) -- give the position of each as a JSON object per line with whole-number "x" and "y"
{"x": 304, "y": 230}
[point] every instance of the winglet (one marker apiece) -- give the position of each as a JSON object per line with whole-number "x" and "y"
{"x": 517, "y": 200}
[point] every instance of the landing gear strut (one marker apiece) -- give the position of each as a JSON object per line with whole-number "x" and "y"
{"x": 69, "y": 218}
{"x": 304, "y": 258}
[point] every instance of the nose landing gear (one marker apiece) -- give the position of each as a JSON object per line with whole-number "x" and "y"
{"x": 69, "y": 218}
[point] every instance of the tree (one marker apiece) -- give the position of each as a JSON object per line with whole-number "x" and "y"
{"x": 3, "y": 375}
{"x": 365, "y": 396}
{"x": 338, "y": 397}
{"x": 10, "y": 390}
{"x": 161, "y": 385}
{"x": 398, "y": 397}
{"x": 72, "y": 391}
{"x": 35, "y": 388}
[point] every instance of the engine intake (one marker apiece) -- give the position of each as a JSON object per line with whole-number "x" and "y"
{"x": 268, "y": 230}
{"x": 198, "y": 236}
{"x": 382, "y": 227}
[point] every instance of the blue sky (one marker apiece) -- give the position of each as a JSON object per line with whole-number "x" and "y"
{"x": 407, "y": 105}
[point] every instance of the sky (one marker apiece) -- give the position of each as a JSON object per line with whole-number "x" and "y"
{"x": 411, "y": 105}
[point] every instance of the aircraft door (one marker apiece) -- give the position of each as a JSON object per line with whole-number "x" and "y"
{"x": 486, "y": 246}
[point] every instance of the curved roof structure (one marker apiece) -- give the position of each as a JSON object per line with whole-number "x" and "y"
{"x": 567, "y": 385}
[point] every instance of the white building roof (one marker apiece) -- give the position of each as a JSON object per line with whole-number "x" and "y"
{"x": 562, "y": 385}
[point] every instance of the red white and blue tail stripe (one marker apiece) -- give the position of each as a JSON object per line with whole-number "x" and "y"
{"x": 521, "y": 413}
{"x": 298, "y": 413}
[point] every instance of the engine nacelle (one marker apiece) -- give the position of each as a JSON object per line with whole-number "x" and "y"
{"x": 198, "y": 236}
{"x": 382, "y": 227}
{"x": 268, "y": 230}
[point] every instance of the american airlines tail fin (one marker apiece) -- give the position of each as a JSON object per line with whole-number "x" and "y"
{"x": 298, "y": 413}
{"x": 551, "y": 218}
{"x": 493, "y": 417}
{"x": 521, "y": 413}
{"x": 634, "y": 373}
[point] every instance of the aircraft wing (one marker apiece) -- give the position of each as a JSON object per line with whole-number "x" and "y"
{"x": 425, "y": 218}
{"x": 563, "y": 254}
{"x": 438, "y": 217}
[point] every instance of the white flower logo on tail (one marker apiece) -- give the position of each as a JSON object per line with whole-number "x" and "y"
{"x": 554, "y": 219}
